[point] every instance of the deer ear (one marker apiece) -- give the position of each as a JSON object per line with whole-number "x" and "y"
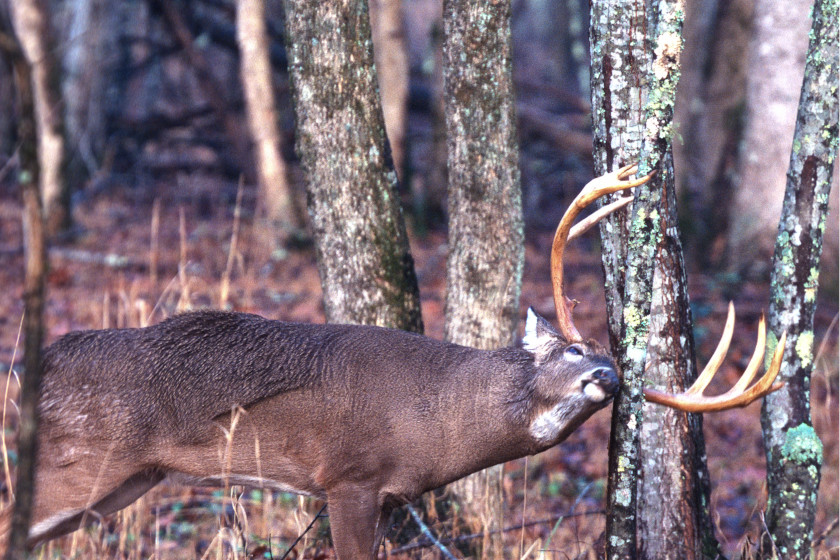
{"x": 539, "y": 334}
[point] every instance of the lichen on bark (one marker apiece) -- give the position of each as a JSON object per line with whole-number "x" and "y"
{"x": 636, "y": 56}
{"x": 486, "y": 234}
{"x": 364, "y": 261}
{"x": 793, "y": 451}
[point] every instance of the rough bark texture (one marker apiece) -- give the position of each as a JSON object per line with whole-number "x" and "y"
{"x": 674, "y": 486}
{"x": 617, "y": 43}
{"x": 260, "y": 106}
{"x": 33, "y": 294}
{"x": 486, "y": 256}
{"x": 392, "y": 68}
{"x": 776, "y": 60}
{"x": 32, "y": 24}
{"x": 794, "y": 452}
{"x": 635, "y": 58}
{"x": 366, "y": 269}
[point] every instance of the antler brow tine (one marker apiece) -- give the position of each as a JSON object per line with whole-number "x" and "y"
{"x": 596, "y": 188}
{"x": 693, "y": 400}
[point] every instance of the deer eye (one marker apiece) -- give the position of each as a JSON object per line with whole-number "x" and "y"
{"x": 574, "y": 352}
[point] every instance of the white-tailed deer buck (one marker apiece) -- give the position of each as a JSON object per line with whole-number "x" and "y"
{"x": 368, "y": 418}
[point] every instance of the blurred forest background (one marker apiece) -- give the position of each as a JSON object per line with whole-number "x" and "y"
{"x": 156, "y": 207}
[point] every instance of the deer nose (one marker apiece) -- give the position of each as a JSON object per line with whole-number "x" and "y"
{"x": 606, "y": 378}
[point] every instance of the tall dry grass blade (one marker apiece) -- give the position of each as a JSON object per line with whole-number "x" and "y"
{"x": 154, "y": 249}
{"x": 184, "y": 300}
{"x": 106, "y": 310}
{"x": 234, "y": 237}
{"x": 7, "y": 473}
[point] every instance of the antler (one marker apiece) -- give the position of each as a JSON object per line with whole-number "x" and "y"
{"x": 693, "y": 400}
{"x": 596, "y": 188}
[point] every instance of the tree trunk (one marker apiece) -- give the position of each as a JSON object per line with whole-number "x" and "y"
{"x": 33, "y": 294}
{"x": 484, "y": 267}
{"x": 674, "y": 486}
{"x": 392, "y": 68}
{"x": 776, "y": 61}
{"x": 633, "y": 90}
{"x": 32, "y": 24}
{"x": 261, "y": 108}
{"x": 366, "y": 269}
{"x": 794, "y": 452}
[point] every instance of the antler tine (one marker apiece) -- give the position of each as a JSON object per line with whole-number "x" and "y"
{"x": 596, "y": 188}
{"x": 693, "y": 400}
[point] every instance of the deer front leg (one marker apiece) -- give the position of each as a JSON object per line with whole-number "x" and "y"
{"x": 358, "y": 521}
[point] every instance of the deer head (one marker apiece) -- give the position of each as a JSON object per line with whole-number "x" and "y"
{"x": 692, "y": 400}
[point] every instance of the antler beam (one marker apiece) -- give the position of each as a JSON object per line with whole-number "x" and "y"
{"x": 693, "y": 399}
{"x": 596, "y": 188}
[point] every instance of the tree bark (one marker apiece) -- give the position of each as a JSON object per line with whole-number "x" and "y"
{"x": 486, "y": 253}
{"x": 33, "y": 27}
{"x": 794, "y": 451}
{"x": 366, "y": 268}
{"x": 392, "y": 69}
{"x": 261, "y": 108}
{"x": 33, "y": 294}
{"x": 659, "y": 499}
{"x": 674, "y": 485}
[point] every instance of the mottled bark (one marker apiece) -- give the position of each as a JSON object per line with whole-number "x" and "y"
{"x": 674, "y": 486}
{"x": 635, "y": 59}
{"x": 391, "y": 58}
{"x": 32, "y": 24}
{"x": 33, "y": 293}
{"x": 776, "y": 60}
{"x": 484, "y": 267}
{"x": 366, "y": 269}
{"x": 794, "y": 452}
{"x": 261, "y": 109}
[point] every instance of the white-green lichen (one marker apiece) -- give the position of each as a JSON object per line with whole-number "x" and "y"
{"x": 802, "y": 444}
{"x": 804, "y": 348}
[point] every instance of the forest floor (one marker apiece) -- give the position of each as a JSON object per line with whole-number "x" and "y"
{"x": 107, "y": 276}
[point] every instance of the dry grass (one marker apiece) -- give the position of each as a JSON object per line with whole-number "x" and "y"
{"x": 554, "y": 501}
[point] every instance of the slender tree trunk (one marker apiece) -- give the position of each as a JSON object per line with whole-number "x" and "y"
{"x": 794, "y": 452}
{"x": 366, "y": 269}
{"x": 33, "y": 294}
{"x": 261, "y": 108}
{"x": 32, "y": 23}
{"x": 674, "y": 486}
{"x": 391, "y": 57}
{"x": 484, "y": 268}
{"x": 655, "y": 498}
{"x": 617, "y": 45}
